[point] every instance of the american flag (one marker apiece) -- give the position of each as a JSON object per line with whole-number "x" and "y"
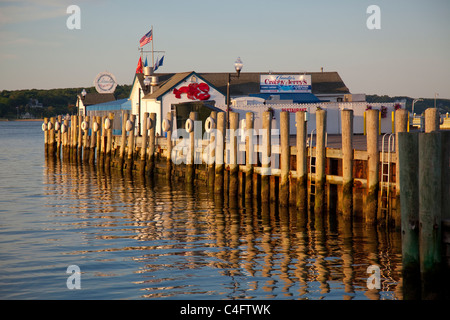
{"x": 146, "y": 38}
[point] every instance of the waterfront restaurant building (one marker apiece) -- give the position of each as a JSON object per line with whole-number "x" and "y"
{"x": 181, "y": 93}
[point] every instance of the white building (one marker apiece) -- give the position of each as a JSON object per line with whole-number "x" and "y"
{"x": 179, "y": 94}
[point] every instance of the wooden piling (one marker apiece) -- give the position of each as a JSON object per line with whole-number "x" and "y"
{"x": 266, "y": 153}
{"x": 99, "y": 139}
{"x": 408, "y": 158}
{"x": 70, "y": 137}
{"x": 102, "y": 146}
{"x": 445, "y": 176}
{"x": 46, "y": 136}
{"x": 401, "y": 125}
{"x": 431, "y": 120}
{"x": 109, "y": 132}
{"x": 86, "y": 147}
{"x": 219, "y": 163}
{"x": 59, "y": 137}
{"x": 284, "y": 159}
{"x": 65, "y": 148}
{"x": 123, "y": 140}
{"x": 169, "y": 145}
{"x": 430, "y": 165}
{"x": 274, "y": 186}
{"x": 320, "y": 176}
{"x": 79, "y": 139}
{"x": 190, "y": 167}
{"x": 51, "y": 138}
{"x": 233, "y": 165}
{"x": 151, "y": 145}
{"x": 249, "y": 154}
{"x": 93, "y": 141}
{"x": 347, "y": 163}
{"x": 130, "y": 145}
{"x": 372, "y": 164}
{"x": 212, "y": 152}
{"x": 144, "y": 141}
{"x": 302, "y": 173}
{"x": 74, "y": 124}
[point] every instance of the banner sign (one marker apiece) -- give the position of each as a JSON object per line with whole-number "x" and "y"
{"x": 285, "y": 83}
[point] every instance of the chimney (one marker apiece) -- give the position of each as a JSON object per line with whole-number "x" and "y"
{"x": 148, "y": 71}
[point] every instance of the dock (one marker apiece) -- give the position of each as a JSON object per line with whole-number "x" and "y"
{"x": 356, "y": 176}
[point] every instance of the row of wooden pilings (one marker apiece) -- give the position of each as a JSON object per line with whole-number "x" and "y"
{"x": 69, "y": 137}
{"x": 90, "y": 140}
{"x": 424, "y": 160}
{"x": 421, "y": 185}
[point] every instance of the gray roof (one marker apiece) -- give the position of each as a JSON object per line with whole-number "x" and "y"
{"x": 162, "y": 78}
{"x": 248, "y": 82}
{"x": 95, "y": 98}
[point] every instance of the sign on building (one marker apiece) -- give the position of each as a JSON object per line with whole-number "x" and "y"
{"x": 285, "y": 83}
{"x": 105, "y": 82}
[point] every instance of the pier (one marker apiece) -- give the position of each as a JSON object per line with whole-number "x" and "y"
{"x": 395, "y": 180}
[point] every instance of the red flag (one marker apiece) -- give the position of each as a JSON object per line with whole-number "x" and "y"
{"x": 139, "y": 66}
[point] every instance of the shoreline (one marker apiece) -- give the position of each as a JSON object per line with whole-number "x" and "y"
{"x": 21, "y": 120}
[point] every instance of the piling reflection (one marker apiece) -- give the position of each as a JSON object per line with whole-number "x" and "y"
{"x": 173, "y": 241}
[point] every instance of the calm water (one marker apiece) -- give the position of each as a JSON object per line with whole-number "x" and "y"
{"x": 135, "y": 239}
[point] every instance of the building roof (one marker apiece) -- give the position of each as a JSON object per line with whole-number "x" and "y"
{"x": 249, "y": 82}
{"x": 122, "y": 104}
{"x": 167, "y": 85}
{"x": 141, "y": 77}
{"x": 95, "y": 98}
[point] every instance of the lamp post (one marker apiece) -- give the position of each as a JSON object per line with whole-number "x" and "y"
{"x": 83, "y": 96}
{"x": 238, "y": 67}
{"x": 435, "y": 94}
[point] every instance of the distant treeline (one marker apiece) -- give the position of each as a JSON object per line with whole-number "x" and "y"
{"x": 419, "y": 106}
{"x": 47, "y": 103}
{"x": 38, "y": 103}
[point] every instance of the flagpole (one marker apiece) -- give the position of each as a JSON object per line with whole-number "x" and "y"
{"x": 153, "y": 60}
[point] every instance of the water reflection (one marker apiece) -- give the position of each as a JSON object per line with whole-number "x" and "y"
{"x": 154, "y": 239}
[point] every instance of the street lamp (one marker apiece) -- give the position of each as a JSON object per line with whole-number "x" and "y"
{"x": 435, "y": 94}
{"x": 83, "y": 96}
{"x": 238, "y": 67}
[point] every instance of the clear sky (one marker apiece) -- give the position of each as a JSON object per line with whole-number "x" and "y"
{"x": 409, "y": 55}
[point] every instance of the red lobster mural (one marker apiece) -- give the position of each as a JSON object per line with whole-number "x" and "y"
{"x": 194, "y": 91}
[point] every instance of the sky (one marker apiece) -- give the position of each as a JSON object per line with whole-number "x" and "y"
{"x": 409, "y": 55}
